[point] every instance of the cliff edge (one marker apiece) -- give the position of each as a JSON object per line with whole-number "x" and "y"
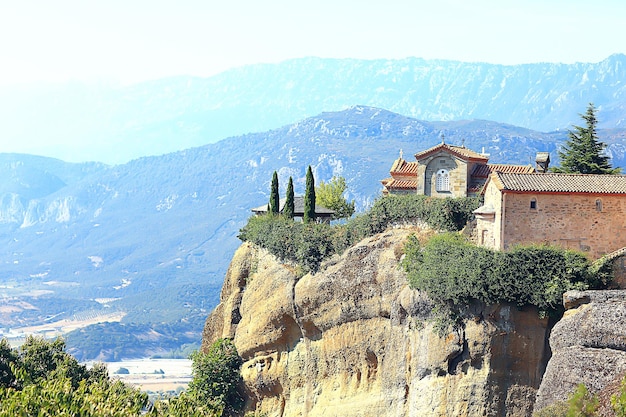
{"x": 355, "y": 340}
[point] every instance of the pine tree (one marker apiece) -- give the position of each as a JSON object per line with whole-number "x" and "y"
{"x": 309, "y": 197}
{"x": 274, "y": 199}
{"x": 289, "y": 202}
{"x": 583, "y": 152}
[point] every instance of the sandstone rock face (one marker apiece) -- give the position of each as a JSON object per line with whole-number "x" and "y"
{"x": 588, "y": 345}
{"x": 355, "y": 340}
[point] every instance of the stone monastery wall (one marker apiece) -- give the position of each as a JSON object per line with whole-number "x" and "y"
{"x": 591, "y": 223}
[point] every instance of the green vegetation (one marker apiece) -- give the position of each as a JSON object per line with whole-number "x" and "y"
{"x": 215, "y": 387}
{"x": 330, "y": 195}
{"x": 309, "y": 197}
{"x": 582, "y": 403}
{"x": 583, "y": 153}
{"x": 41, "y": 379}
{"x": 308, "y": 244}
{"x": 274, "y": 197}
{"x": 289, "y": 209}
{"x": 455, "y": 272}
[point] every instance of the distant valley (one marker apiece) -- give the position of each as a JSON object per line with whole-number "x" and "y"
{"x": 151, "y": 239}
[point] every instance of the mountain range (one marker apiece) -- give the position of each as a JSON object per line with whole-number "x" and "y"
{"x": 114, "y": 123}
{"x": 152, "y": 238}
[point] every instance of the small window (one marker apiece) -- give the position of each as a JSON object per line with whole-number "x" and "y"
{"x": 598, "y": 205}
{"x": 533, "y": 204}
{"x": 442, "y": 182}
{"x": 442, "y": 161}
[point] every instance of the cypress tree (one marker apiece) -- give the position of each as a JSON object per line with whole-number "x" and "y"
{"x": 309, "y": 197}
{"x": 583, "y": 152}
{"x": 289, "y": 202}
{"x": 274, "y": 199}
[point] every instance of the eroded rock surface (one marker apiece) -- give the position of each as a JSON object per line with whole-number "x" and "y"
{"x": 588, "y": 345}
{"x": 355, "y": 340}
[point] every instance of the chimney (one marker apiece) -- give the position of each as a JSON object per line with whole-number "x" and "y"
{"x": 542, "y": 161}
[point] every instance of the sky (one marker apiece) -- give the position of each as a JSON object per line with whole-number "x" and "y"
{"x": 135, "y": 40}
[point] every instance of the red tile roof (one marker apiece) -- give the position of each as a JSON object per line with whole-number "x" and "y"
{"x": 394, "y": 184}
{"x": 483, "y": 171}
{"x": 400, "y": 166}
{"x": 561, "y": 183}
{"x": 460, "y": 151}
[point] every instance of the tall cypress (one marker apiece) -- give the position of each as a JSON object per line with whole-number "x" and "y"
{"x": 274, "y": 198}
{"x": 309, "y": 197}
{"x": 289, "y": 202}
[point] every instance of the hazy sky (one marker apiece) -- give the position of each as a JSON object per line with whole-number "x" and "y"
{"x": 134, "y": 40}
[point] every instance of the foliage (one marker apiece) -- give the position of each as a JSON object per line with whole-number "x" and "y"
{"x": 289, "y": 208}
{"x": 309, "y": 197}
{"x": 582, "y": 403}
{"x": 452, "y": 270}
{"x": 618, "y": 400}
{"x": 45, "y": 381}
{"x": 274, "y": 197}
{"x": 330, "y": 195}
{"x": 583, "y": 152}
{"x": 309, "y": 244}
{"x": 216, "y": 376}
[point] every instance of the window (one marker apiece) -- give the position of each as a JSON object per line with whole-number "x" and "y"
{"x": 533, "y": 204}
{"x": 598, "y": 205}
{"x": 442, "y": 182}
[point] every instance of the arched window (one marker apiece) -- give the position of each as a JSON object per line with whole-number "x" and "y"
{"x": 533, "y": 204}
{"x": 442, "y": 182}
{"x": 598, "y": 205}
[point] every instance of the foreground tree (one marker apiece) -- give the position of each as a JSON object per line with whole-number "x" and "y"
{"x": 289, "y": 208}
{"x": 274, "y": 198}
{"x": 330, "y": 195}
{"x": 583, "y": 152}
{"x": 309, "y": 197}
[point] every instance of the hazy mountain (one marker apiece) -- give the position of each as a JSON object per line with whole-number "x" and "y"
{"x": 153, "y": 237}
{"x": 114, "y": 124}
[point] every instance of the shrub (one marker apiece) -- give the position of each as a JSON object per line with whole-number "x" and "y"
{"x": 309, "y": 244}
{"x": 451, "y": 269}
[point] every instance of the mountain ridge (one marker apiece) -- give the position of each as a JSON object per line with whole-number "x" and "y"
{"x": 119, "y": 123}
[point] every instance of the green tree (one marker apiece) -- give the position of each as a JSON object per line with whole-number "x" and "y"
{"x": 216, "y": 377}
{"x": 309, "y": 197}
{"x": 274, "y": 198}
{"x": 289, "y": 208}
{"x": 583, "y": 152}
{"x": 330, "y": 195}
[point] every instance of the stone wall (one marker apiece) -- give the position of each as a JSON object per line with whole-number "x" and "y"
{"x": 457, "y": 169}
{"x": 569, "y": 220}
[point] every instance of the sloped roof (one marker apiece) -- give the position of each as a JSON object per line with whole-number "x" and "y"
{"x": 483, "y": 171}
{"x": 298, "y": 204}
{"x": 460, "y": 151}
{"x": 402, "y": 167}
{"x": 403, "y": 184}
{"x": 560, "y": 183}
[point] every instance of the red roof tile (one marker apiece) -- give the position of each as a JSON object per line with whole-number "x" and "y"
{"x": 400, "y": 166}
{"x": 561, "y": 183}
{"x": 460, "y": 151}
{"x": 483, "y": 171}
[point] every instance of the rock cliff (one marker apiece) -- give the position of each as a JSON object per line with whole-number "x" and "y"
{"x": 588, "y": 345}
{"x": 355, "y": 340}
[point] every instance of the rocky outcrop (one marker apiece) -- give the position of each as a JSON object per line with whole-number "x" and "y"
{"x": 355, "y": 340}
{"x": 588, "y": 345}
